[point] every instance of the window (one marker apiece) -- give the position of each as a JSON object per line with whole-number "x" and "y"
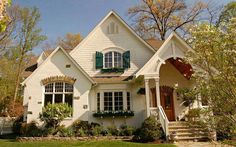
{"x": 128, "y": 101}
{"x": 113, "y": 59}
{"x": 118, "y": 101}
{"x": 113, "y": 101}
{"x": 108, "y": 101}
{"x": 58, "y": 92}
{"x": 108, "y": 60}
{"x": 98, "y": 101}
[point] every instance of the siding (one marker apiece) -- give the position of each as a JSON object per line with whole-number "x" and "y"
{"x": 99, "y": 40}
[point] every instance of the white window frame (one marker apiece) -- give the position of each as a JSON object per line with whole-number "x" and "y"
{"x": 124, "y": 94}
{"x": 113, "y": 59}
{"x": 53, "y": 93}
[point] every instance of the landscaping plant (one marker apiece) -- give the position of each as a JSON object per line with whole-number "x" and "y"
{"x": 53, "y": 114}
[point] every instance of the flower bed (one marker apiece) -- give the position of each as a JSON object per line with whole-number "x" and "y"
{"x": 114, "y": 114}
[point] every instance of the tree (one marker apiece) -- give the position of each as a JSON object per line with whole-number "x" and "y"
{"x": 53, "y": 114}
{"x": 227, "y": 13}
{"x": 70, "y": 41}
{"x": 158, "y": 17}
{"x": 215, "y": 58}
{"x": 28, "y": 37}
{"x": 4, "y": 19}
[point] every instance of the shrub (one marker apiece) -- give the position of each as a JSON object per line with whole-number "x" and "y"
{"x": 112, "y": 130}
{"x": 53, "y": 114}
{"x": 16, "y": 128}
{"x": 65, "y": 132}
{"x": 31, "y": 129}
{"x": 150, "y": 131}
{"x": 97, "y": 131}
{"x": 81, "y": 128}
{"x": 126, "y": 130}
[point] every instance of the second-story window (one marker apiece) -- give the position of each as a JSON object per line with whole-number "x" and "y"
{"x": 113, "y": 59}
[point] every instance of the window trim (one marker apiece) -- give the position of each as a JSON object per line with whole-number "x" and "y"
{"x": 113, "y": 59}
{"x": 53, "y": 93}
{"x": 124, "y": 99}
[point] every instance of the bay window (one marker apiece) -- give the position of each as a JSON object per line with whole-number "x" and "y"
{"x": 58, "y": 92}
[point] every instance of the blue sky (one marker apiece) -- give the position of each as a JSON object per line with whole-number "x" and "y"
{"x": 59, "y": 17}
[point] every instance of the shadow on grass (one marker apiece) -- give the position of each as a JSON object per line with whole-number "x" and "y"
{"x": 9, "y": 137}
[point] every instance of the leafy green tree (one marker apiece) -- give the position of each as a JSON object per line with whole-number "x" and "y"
{"x": 4, "y": 19}
{"x": 28, "y": 36}
{"x": 227, "y": 13}
{"x": 53, "y": 114}
{"x": 215, "y": 61}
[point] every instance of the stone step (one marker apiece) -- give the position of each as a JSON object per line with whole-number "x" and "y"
{"x": 190, "y": 134}
{"x": 198, "y": 138}
{"x": 186, "y": 130}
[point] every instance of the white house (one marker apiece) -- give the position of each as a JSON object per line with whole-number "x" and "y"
{"x": 112, "y": 77}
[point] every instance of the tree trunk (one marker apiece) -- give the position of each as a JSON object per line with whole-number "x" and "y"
{"x": 17, "y": 81}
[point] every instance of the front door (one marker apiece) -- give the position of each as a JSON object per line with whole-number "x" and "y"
{"x": 167, "y": 102}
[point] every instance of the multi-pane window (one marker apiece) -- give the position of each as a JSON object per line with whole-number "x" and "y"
{"x": 113, "y": 101}
{"x": 108, "y": 60}
{"x": 58, "y": 92}
{"x": 113, "y": 59}
{"x": 108, "y": 101}
{"x": 118, "y": 101}
{"x": 117, "y": 59}
{"x": 128, "y": 101}
{"x": 98, "y": 101}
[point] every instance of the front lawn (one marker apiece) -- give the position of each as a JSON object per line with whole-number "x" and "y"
{"x": 13, "y": 143}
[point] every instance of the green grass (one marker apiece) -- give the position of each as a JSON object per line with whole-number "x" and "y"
{"x": 13, "y": 143}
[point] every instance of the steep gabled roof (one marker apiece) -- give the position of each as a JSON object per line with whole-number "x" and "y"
{"x": 156, "y": 56}
{"x": 155, "y": 43}
{"x": 70, "y": 58}
{"x": 122, "y": 22}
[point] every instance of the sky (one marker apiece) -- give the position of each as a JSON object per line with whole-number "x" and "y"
{"x": 59, "y": 17}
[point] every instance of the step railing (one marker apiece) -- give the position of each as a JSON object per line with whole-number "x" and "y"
{"x": 163, "y": 120}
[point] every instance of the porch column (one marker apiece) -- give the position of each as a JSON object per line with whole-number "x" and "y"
{"x": 157, "y": 81}
{"x": 147, "y": 97}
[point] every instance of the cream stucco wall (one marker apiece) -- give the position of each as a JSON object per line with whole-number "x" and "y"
{"x": 137, "y": 105}
{"x": 34, "y": 94}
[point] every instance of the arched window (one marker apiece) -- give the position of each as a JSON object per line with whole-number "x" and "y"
{"x": 113, "y": 59}
{"x": 58, "y": 92}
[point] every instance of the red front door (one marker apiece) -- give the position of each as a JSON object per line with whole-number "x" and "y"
{"x": 167, "y": 102}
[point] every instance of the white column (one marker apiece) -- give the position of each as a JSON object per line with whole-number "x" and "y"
{"x": 147, "y": 97}
{"x": 158, "y": 91}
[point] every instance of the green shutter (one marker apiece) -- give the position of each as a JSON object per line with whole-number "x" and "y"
{"x": 99, "y": 60}
{"x": 126, "y": 59}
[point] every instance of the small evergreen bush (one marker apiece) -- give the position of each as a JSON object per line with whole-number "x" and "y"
{"x": 126, "y": 130}
{"x": 112, "y": 130}
{"x": 150, "y": 131}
